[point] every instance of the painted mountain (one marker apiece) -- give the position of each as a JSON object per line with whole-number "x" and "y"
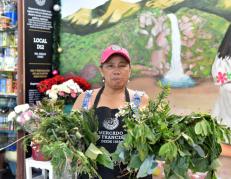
{"x": 144, "y": 28}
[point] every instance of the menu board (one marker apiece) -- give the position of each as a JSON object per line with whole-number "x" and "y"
{"x": 38, "y": 30}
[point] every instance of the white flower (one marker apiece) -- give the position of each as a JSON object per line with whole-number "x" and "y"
{"x": 21, "y": 108}
{"x": 27, "y": 117}
{"x": 135, "y": 116}
{"x": 53, "y": 95}
{"x": 122, "y": 112}
{"x": 150, "y": 114}
{"x": 18, "y": 119}
{"x": 69, "y": 83}
{"x": 21, "y": 120}
{"x": 55, "y": 87}
{"x": 132, "y": 105}
{"x": 48, "y": 91}
{"x": 68, "y": 87}
{"x": 117, "y": 115}
{"x": 11, "y": 116}
{"x": 64, "y": 88}
{"x": 73, "y": 86}
{"x": 76, "y": 88}
{"x": 143, "y": 116}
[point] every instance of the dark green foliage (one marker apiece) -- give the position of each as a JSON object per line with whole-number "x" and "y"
{"x": 69, "y": 139}
{"x": 183, "y": 142}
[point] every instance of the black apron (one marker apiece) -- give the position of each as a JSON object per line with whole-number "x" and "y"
{"x": 111, "y": 132}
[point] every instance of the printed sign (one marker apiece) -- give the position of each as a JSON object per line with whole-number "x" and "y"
{"x": 38, "y": 45}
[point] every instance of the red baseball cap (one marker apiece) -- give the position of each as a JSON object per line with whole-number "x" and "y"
{"x": 114, "y": 49}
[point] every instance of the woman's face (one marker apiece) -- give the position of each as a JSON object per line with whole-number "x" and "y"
{"x": 116, "y": 72}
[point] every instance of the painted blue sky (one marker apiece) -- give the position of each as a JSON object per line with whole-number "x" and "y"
{"x": 71, "y": 6}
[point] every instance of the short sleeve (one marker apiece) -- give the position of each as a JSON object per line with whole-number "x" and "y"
{"x": 86, "y": 99}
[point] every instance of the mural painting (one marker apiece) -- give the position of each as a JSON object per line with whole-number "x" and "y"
{"x": 171, "y": 41}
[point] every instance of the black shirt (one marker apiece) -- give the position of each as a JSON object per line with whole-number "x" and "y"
{"x": 111, "y": 132}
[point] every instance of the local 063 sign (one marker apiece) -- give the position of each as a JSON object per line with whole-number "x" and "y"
{"x": 38, "y": 28}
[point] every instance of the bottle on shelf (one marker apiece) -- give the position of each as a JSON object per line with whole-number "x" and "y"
{"x": 3, "y": 79}
{"x": 8, "y": 83}
{"x": 3, "y": 39}
{"x": 11, "y": 12}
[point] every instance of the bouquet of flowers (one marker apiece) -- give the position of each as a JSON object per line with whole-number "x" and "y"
{"x": 28, "y": 117}
{"x": 65, "y": 88}
{"x": 70, "y": 139}
{"x": 184, "y": 143}
{"x": 25, "y": 117}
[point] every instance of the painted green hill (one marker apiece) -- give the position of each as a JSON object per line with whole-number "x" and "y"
{"x": 86, "y": 21}
{"x": 197, "y": 59}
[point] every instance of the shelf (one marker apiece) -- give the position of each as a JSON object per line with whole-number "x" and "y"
{"x": 8, "y": 95}
{"x": 8, "y": 70}
{"x": 7, "y": 131}
{"x": 10, "y": 46}
{"x": 9, "y": 28}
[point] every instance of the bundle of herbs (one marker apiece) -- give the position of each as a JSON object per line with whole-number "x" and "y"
{"x": 70, "y": 141}
{"x": 189, "y": 142}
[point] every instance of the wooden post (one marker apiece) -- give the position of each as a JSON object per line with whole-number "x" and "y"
{"x": 20, "y": 157}
{"x": 20, "y": 173}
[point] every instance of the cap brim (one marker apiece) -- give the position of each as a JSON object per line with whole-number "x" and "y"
{"x": 116, "y": 53}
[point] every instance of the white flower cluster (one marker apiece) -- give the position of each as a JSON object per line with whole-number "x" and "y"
{"x": 139, "y": 114}
{"x": 21, "y": 113}
{"x": 66, "y": 88}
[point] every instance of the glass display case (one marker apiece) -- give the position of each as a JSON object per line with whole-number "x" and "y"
{"x": 8, "y": 74}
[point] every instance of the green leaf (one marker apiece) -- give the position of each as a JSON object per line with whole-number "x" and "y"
{"x": 188, "y": 138}
{"x": 215, "y": 164}
{"x": 199, "y": 164}
{"x": 128, "y": 141}
{"x": 135, "y": 162}
{"x": 203, "y": 128}
{"x": 92, "y": 152}
{"x": 117, "y": 156}
{"x": 142, "y": 150}
{"x": 138, "y": 132}
{"x": 147, "y": 167}
{"x": 150, "y": 135}
{"x": 179, "y": 167}
{"x": 104, "y": 159}
{"x": 199, "y": 150}
{"x": 168, "y": 151}
{"x": 122, "y": 155}
{"x": 198, "y": 128}
{"x": 184, "y": 153}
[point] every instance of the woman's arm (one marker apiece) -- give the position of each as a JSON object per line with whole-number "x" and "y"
{"x": 78, "y": 103}
{"x": 87, "y": 98}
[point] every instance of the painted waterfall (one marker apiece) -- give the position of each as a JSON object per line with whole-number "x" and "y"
{"x": 175, "y": 77}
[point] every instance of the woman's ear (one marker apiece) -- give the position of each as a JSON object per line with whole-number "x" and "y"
{"x": 101, "y": 71}
{"x": 130, "y": 72}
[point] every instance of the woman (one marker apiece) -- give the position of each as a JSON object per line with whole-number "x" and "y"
{"x": 221, "y": 71}
{"x": 115, "y": 68}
